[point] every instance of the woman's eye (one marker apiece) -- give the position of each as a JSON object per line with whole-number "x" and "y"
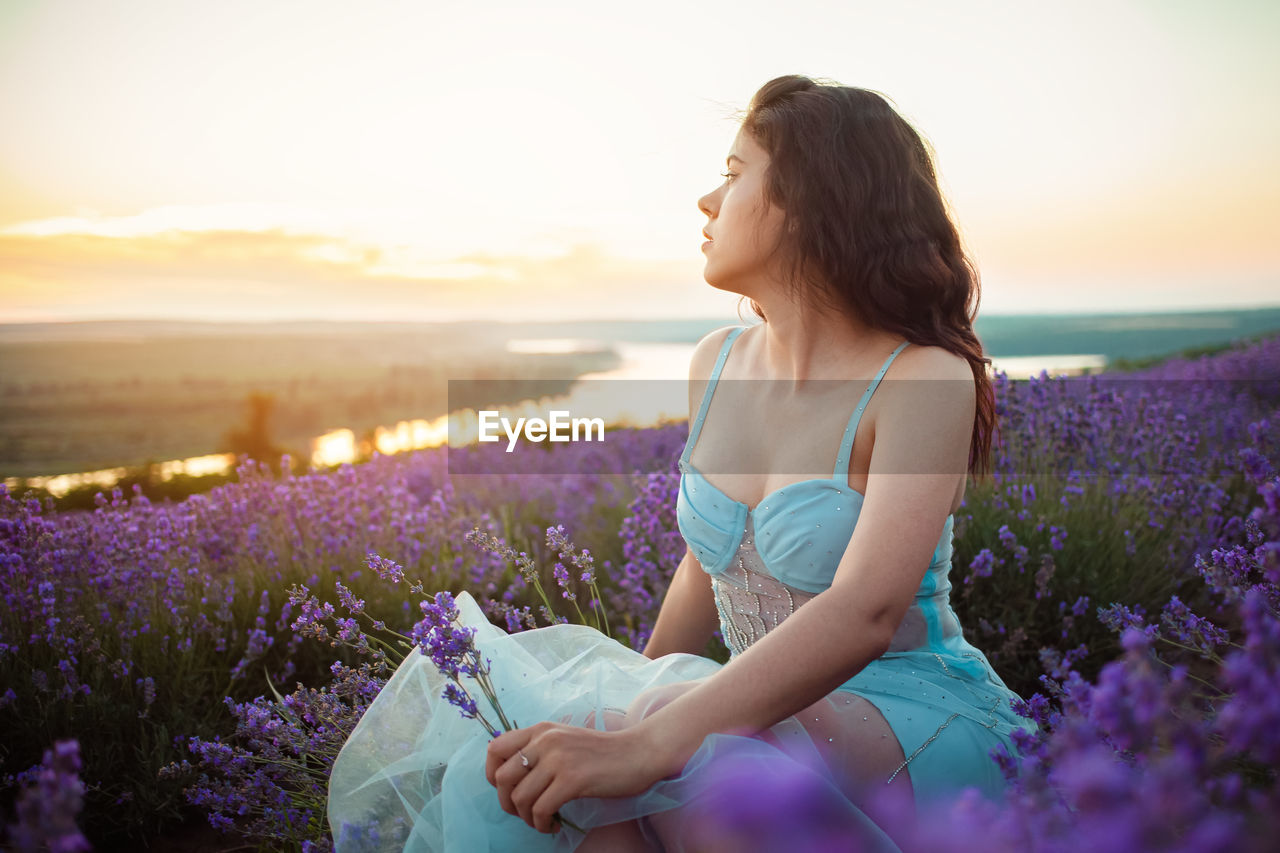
{"x": 729, "y": 175}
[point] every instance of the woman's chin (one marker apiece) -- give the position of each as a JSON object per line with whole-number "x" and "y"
{"x": 712, "y": 279}
{"x": 721, "y": 284}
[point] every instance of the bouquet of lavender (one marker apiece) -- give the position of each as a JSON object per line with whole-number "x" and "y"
{"x": 451, "y": 647}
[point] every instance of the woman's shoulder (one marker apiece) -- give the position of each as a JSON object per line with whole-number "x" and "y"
{"x": 705, "y": 353}
{"x": 928, "y": 384}
{"x": 925, "y": 382}
{"x": 921, "y": 361}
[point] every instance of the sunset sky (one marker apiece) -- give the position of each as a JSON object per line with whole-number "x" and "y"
{"x": 299, "y": 159}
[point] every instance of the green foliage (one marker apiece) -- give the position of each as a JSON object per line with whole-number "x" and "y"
{"x": 1126, "y": 365}
{"x": 1115, "y": 549}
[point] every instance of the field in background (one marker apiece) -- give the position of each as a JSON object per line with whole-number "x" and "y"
{"x": 126, "y": 394}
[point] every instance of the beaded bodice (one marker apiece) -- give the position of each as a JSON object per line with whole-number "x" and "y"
{"x": 751, "y": 602}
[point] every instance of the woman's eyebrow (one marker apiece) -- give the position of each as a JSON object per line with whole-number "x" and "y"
{"x": 734, "y": 157}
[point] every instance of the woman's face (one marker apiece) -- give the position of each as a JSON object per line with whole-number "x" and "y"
{"x": 743, "y": 226}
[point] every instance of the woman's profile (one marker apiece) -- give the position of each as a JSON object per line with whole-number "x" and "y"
{"x": 828, "y": 452}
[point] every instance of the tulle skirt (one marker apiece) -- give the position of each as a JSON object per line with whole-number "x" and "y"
{"x": 411, "y": 776}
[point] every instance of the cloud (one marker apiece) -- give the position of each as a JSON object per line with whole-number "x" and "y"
{"x": 67, "y": 268}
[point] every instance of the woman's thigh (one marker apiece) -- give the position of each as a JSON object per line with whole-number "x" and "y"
{"x": 859, "y": 747}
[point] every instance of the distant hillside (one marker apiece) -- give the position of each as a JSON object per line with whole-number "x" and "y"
{"x": 1129, "y": 336}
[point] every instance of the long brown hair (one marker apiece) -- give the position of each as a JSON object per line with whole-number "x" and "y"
{"x": 865, "y": 225}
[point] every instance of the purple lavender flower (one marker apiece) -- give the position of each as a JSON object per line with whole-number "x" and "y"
{"x": 47, "y": 810}
{"x": 561, "y": 574}
{"x": 460, "y": 698}
{"x": 983, "y": 565}
{"x": 447, "y": 644}
{"x": 386, "y": 569}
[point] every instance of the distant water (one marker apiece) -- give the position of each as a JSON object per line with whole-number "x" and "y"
{"x": 642, "y": 360}
{"x": 1024, "y": 366}
{"x": 649, "y": 361}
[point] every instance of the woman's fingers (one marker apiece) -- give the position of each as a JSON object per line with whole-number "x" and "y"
{"x": 502, "y": 748}
{"x": 552, "y": 799}
{"x": 539, "y": 796}
{"x": 509, "y": 777}
{"x": 526, "y": 792}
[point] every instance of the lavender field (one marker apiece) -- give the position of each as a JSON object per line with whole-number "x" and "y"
{"x": 164, "y": 665}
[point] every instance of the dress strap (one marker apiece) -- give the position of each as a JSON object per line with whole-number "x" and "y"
{"x": 846, "y": 446}
{"x": 696, "y": 427}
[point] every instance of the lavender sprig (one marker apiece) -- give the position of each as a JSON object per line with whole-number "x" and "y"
{"x": 584, "y": 564}
{"x": 523, "y": 562}
{"x": 583, "y": 568}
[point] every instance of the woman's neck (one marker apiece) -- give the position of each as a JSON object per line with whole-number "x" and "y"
{"x": 802, "y": 343}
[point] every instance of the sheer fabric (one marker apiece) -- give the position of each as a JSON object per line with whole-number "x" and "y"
{"x": 411, "y": 776}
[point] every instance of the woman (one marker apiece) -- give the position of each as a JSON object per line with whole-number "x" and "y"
{"x": 824, "y": 525}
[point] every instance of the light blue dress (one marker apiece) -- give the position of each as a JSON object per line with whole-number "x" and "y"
{"x": 933, "y": 688}
{"x": 411, "y": 776}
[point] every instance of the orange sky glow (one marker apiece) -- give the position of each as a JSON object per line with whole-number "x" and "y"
{"x": 401, "y": 160}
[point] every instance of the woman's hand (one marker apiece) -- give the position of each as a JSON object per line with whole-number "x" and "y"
{"x": 568, "y": 762}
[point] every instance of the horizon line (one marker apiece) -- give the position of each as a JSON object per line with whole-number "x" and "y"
{"x": 1093, "y": 312}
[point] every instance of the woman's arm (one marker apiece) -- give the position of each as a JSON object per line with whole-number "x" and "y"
{"x": 688, "y": 617}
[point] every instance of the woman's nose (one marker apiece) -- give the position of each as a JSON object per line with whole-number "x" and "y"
{"x": 704, "y": 204}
